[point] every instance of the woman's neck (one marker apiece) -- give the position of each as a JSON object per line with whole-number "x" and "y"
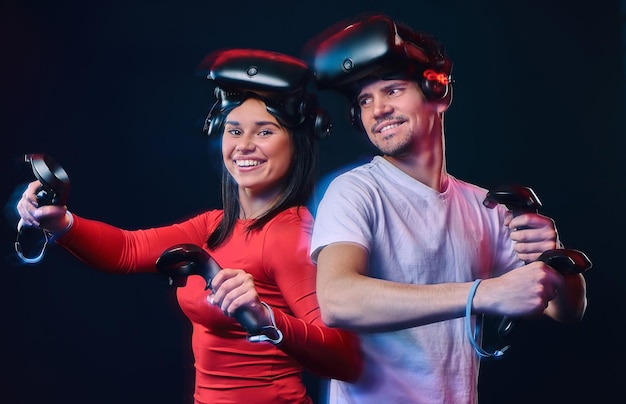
{"x": 252, "y": 206}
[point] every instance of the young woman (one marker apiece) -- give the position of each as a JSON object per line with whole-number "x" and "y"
{"x": 269, "y": 126}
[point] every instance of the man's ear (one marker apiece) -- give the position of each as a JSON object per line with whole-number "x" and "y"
{"x": 444, "y": 103}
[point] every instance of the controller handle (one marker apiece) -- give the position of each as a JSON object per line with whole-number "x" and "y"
{"x": 566, "y": 261}
{"x": 518, "y": 199}
{"x": 55, "y": 184}
{"x": 182, "y": 260}
{"x": 54, "y": 190}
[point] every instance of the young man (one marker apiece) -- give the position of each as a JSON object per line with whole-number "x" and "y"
{"x": 406, "y": 252}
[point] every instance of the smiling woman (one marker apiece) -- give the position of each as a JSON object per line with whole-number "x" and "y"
{"x": 260, "y": 239}
{"x": 257, "y": 153}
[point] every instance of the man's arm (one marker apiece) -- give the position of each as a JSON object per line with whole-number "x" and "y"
{"x": 349, "y": 298}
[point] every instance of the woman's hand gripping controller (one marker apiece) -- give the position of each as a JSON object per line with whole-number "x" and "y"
{"x": 54, "y": 190}
{"x": 182, "y": 260}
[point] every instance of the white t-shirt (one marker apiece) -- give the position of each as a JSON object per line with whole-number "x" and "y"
{"x": 417, "y": 235}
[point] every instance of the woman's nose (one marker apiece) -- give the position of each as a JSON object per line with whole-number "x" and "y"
{"x": 244, "y": 144}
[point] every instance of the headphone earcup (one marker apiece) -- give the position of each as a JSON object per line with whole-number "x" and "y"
{"x": 355, "y": 118}
{"x": 322, "y": 124}
{"x": 434, "y": 90}
{"x": 214, "y": 124}
{"x": 214, "y": 120}
{"x": 310, "y": 109}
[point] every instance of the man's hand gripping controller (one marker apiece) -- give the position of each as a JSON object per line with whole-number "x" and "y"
{"x": 182, "y": 260}
{"x": 519, "y": 200}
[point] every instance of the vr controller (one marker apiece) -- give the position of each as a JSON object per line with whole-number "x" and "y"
{"x": 54, "y": 190}
{"x": 519, "y": 200}
{"x": 182, "y": 260}
{"x": 55, "y": 186}
{"x": 566, "y": 261}
{"x": 516, "y": 198}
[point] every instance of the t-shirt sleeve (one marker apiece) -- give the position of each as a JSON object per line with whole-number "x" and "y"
{"x": 344, "y": 215}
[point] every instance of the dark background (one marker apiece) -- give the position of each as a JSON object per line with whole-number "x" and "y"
{"x": 109, "y": 90}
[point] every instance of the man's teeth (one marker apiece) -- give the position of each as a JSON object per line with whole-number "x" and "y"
{"x": 247, "y": 163}
{"x": 387, "y": 127}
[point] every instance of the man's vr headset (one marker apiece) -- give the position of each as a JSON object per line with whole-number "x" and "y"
{"x": 373, "y": 46}
{"x": 277, "y": 79}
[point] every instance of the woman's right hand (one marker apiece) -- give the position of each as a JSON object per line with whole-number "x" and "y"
{"x": 52, "y": 218}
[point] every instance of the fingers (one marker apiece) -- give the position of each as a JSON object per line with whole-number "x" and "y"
{"x": 49, "y": 217}
{"x": 232, "y": 289}
{"x": 525, "y": 291}
{"x": 28, "y": 205}
{"x": 533, "y": 234}
{"x": 529, "y": 252}
{"x": 532, "y": 221}
{"x": 546, "y": 283}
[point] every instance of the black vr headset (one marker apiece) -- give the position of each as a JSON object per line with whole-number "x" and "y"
{"x": 373, "y": 46}
{"x": 277, "y": 79}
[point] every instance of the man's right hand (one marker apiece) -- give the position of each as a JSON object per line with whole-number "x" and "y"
{"x": 522, "y": 292}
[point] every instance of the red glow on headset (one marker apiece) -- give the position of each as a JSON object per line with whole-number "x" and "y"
{"x": 432, "y": 75}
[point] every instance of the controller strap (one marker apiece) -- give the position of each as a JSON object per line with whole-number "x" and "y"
{"x": 37, "y": 258}
{"x": 472, "y": 335}
{"x": 269, "y": 333}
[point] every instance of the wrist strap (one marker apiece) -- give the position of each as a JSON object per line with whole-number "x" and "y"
{"x": 468, "y": 327}
{"x": 269, "y": 333}
{"x": 47, "y": 237}
{"x": 38, "y": 257}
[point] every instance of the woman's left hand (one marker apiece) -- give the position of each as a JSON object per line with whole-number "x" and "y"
{"x": 234, "y": 289}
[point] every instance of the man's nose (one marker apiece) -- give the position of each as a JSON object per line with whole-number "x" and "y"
{"x": 381, "y": 107}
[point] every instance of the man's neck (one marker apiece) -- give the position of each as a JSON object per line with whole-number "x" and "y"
{"x": 429, "y": 169}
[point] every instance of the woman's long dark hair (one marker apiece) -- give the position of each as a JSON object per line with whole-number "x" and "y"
{"x": 298, "y": 189}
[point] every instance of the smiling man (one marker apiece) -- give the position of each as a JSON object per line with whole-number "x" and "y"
{"x": 407, "y": 253}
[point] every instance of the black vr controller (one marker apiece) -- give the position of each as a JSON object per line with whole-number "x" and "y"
{"x": 54, "y": 190}
{"x": 516, "y": 198}
{"x": 566, "y": 261}
{"x": 55, "y": 184}
{"x": 182, "y": 260}
{"x": 519, "y": 200}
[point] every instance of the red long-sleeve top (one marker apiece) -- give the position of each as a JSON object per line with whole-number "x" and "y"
{"x": 229, "y": 368}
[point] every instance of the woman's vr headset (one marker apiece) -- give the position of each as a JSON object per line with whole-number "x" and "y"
{"x": 373, "y": 46}
{"x": 277, "y": 79}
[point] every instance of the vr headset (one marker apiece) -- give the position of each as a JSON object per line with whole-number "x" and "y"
{"x": 372, "y": 46}
{"x": 277, "y": 79}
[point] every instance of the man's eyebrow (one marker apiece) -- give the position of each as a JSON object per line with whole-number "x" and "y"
{"x": 393, "y": 84}
{"x": 362, "y": 96}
